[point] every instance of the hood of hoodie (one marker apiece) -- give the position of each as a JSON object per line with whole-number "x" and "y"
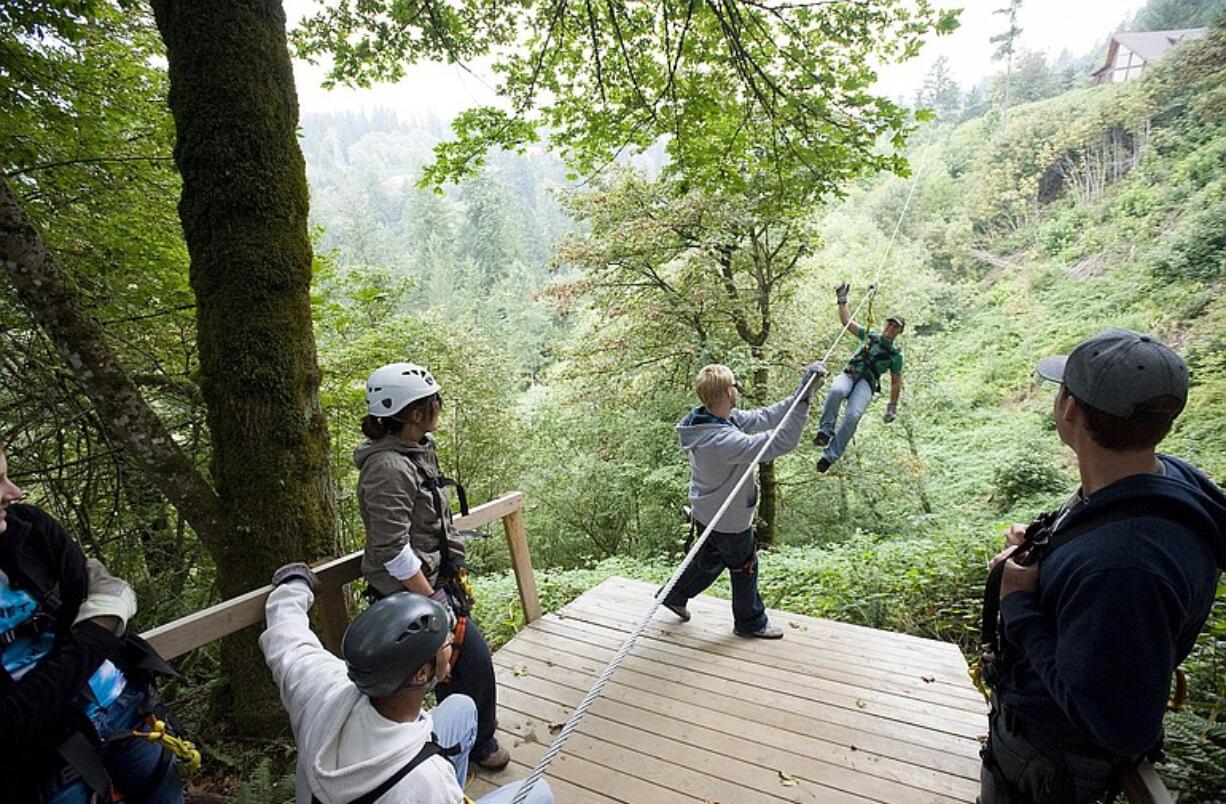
{"x": 390, "y": 444}
{"x": 699, "y": 427}
{"x": 356, "y": 749}
{"x": 1183, "y": 495}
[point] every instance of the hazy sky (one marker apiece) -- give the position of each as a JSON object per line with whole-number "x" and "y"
{"x": 1050, "y": 26}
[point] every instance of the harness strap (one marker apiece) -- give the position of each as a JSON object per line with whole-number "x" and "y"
{"x": 37, "y": 624}
{"x": 430, "y": 749}
{"x": 80, "y": 754}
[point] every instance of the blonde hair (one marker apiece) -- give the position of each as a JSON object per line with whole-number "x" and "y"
{"x": 712, "y": 381}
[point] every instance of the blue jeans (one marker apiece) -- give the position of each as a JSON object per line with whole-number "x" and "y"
{"x": 136, "y": 767}
{"x": 455, "y": 723}
{"x": 734, "y": 552}
{"x": 858, "y": 394}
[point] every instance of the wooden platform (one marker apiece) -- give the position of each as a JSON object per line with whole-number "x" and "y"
{"x": 830, "y": 713}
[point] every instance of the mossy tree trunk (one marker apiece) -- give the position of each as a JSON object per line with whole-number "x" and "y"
{"x": 244, "y": 216}
{"x": 768, "y": 486}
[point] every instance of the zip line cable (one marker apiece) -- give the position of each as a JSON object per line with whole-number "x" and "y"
{"x": 602, "y": 680}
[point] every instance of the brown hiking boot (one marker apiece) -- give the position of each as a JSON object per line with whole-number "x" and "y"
{"x": 497, "y": 760}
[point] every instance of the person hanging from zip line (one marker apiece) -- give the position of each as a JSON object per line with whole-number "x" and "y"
{"x": 411, "y": 542}
{"x": 362, "y": 733}
{"x": 721, "y": 442}
{"x": 74, "y": 684}
{"x": 859, "y": 382}
{"x": 1089, "y": 610}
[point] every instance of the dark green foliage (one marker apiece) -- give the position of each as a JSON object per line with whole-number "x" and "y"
{"x": 1028, "y": 473}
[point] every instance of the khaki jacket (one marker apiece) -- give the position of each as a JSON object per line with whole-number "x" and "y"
{"x": 398, "y": 509}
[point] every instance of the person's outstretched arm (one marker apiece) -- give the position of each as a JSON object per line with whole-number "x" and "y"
{"x": 758, "y": 420}
{"x": 844, "y": 313}
{"x": 302, "y": 668}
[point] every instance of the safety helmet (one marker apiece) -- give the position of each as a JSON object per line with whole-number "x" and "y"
{"x": 390, "y": 641}
{"x": 395, "y": 385}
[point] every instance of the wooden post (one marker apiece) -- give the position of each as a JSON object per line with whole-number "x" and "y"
{"x": 333, "y": 616}
{"x": 521, "y": 564}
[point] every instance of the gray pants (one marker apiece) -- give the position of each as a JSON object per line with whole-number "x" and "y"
{"x": 1030, "y": 776}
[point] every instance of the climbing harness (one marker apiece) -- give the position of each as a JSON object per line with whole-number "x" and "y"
{"x": 185, "y": 750}
{"x": 602, "y": 680}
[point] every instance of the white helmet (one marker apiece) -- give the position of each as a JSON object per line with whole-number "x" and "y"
{"x": 395, "y": 385}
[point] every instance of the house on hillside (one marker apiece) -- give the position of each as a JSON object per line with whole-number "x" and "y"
{"x": 1130, "y": 52}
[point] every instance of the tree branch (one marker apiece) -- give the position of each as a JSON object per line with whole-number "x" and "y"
{"x": 45, "y": 291}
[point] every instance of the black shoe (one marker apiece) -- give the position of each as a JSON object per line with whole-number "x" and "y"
{"x": 823, "y": 465}
{"x": 681, "y": 611}
{"x": 821, "y": 439}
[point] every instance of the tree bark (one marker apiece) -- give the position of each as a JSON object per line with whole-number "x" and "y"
{"x": 244, "y": 216}
{"x": 54, "y": 303}
{"x": 768, "y": 486}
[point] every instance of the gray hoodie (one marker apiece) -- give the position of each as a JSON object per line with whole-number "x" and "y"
{"x": 721, "y": 449}
{"x": 398, "y": 510}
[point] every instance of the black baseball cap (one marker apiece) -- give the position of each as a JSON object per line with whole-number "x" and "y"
{"x": 1121, "y": 372}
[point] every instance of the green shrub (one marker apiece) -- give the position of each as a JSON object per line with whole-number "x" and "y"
{"x": 1028, "y": 473}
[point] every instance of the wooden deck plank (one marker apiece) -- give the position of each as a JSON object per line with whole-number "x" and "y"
{"x": 909, "y": 682}
{"x": 730, "y": 739}
{"x": 727, "y": 760}
{"x": 641, "y": 590}
{"x": 828, "y": 635}
{"x": 698, "y": 715}
{"x": 860, "y": 729}
{"x": 658, "y": 766}
{"x": 810, "y": 633}
{"x": 716, "y": 675}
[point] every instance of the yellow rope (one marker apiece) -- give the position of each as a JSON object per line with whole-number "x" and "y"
{"x": 183, "y": 749}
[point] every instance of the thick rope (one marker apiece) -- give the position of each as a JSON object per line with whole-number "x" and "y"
{"x": 572, "y": 722}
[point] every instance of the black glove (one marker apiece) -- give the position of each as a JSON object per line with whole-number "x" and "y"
{"x": 891, "y": 412}
{"x": 296, "y": 571}
{"x": 841, "y": 291}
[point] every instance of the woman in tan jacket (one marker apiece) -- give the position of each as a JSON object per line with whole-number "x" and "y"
{"x": 411, "y": 541}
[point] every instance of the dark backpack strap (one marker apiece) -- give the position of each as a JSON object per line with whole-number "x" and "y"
{"x": 430, "y": 749}
{"x": 82, "y": 756}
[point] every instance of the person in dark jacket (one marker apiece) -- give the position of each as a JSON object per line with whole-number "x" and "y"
{"x": 65, "y": 672}
{"x": 1095, "y": 628}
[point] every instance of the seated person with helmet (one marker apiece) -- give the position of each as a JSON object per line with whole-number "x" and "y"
{"x": 1090, "y": 609}
{"x": 860, "y": 381}
{"x": 361, "y": 731}
{"x": 73, "y": 686}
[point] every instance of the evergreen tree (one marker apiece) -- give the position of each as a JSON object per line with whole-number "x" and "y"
{"x": 1006, "y": 46}
{"x": 940, "y": 91}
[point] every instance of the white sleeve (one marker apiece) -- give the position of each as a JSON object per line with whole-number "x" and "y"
{"x": 302, "y": 668}
{"x": 405, "y": 565}
{"x": 106, "y": 596}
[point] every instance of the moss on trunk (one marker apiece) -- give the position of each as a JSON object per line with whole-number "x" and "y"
{"x": 244, "y": 215}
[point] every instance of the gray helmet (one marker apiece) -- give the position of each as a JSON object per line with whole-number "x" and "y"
{"x": 391, "y": 641}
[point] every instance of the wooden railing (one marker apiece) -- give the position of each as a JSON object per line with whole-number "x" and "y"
{"x": 198, "y": 629}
